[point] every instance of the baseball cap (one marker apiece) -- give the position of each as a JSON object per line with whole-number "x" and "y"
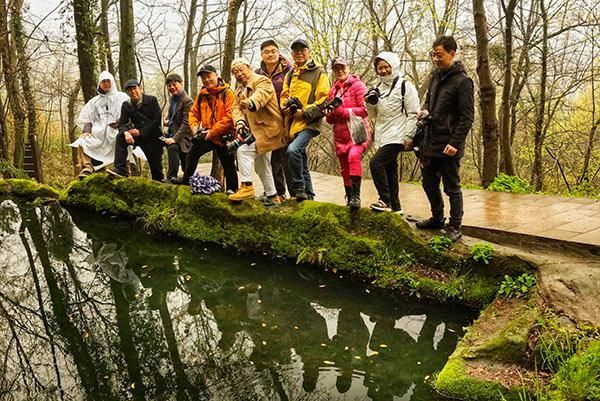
{"x": 206, "y": 68}
{"x": 130, "y": 84}
{"x": 299, "y": 43}
{"x": 338, "y": 61}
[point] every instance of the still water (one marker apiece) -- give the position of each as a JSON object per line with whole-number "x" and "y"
{"x": 94, "y": 308}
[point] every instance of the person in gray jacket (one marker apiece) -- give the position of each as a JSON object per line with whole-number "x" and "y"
{"x": 179, "y": 136}
{"x": 394, "y": 104}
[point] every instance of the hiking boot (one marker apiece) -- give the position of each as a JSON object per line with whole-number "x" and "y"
{"x": 115, "y": 173}
{"x": 453, "y": 233}
{"x": 84, "y": 173}
{"x": 245, "y": 192}
{"x": 301, "y": 196}
{"x": 354, "y": 202}
{"x": 431, "y": 224}
{"x": 348, "y": 194}
{"x": 380, "y": 206}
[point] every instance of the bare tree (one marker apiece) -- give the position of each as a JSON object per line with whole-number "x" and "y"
{"x": 127, "y": 61}
{"x": 83, "y": 14}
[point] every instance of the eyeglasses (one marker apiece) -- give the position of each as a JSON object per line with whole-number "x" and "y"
{"x": 274, "y": 51}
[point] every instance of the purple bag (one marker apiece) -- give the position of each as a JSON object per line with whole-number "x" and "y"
{"x": 204, "y": 184}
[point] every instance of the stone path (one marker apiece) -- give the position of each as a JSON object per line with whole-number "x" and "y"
{"x": 561, "y": 219}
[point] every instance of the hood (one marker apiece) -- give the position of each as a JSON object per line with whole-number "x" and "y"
{"x": 113, "y": 86}
{"x": 393, "y": 60}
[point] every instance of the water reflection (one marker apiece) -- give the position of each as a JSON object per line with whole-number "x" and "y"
{"x": 93, "y": 309}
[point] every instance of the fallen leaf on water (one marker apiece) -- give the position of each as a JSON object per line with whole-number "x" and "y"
{"x": 383, "y": 345}
{"x": 253, "y": 264}
{"x": 367, "y": 291}
{"x": 264, "y": 343}
{"x": 241, "y": 288}
{"x": 373, "y": 353}
{"x": 357, "y": 357}
{"x": 322, "y": 286}
{"x": 323, "y": 345}
{"x": 263, "y": 324}
{"x": 328, "y": 363}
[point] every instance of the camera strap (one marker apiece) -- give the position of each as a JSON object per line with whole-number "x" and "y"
{"x": 402, "y": 92}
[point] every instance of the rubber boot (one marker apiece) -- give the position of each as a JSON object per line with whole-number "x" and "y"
{"x": 355, "y": 193}
{"x": 348, "y": 195}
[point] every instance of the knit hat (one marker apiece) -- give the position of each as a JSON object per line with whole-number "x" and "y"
{"x": 239, "y": 61}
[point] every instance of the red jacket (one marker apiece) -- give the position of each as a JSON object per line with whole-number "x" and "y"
{"x": 352, "y": 92}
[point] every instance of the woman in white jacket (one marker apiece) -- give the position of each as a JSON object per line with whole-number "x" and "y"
{"x": 394, "y": 106}
{"x": 99, "y": 122}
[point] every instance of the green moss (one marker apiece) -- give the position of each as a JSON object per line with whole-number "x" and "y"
{"x": 378, "y": 247}
{"x": 579, "y": 378}
{"x": 455, "y": 382}
{"x": 27, "y": 189}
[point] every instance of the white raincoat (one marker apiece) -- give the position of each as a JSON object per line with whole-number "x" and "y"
{"x": 101, "y": 111}
{"x": 392, "y": 125}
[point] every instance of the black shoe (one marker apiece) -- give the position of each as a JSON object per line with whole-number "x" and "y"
{"x": 301, "y": 196}
{"x": 453, "y": 233}
{"x": 380, "y": 206}
{"x": 348, "y": 191}
{"x": 431, "y": 224}
{"x": 115, "y": 173}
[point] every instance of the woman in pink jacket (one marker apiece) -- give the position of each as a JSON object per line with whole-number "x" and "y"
{"x": 351, "y": 90}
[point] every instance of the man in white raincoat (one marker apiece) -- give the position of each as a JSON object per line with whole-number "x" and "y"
{"x": 99, "y": 121}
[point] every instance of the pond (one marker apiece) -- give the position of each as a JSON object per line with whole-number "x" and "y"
{"x": 94, "y": 308}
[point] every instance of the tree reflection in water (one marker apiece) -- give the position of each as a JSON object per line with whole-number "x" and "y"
{"x": 94, "y": 309}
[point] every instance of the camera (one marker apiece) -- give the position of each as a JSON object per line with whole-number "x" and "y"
{"x": 246, "y": 138}
{"x": 200, "y": 135}
{"x": 373, "y": 96}
{"x": 293, "y": 105}
{"x": 331, "y": 104}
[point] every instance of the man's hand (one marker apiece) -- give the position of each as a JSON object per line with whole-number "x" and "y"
{"x": 298, "y": 114}
{"x": 422, "y": 114}
{"x": 85, "y": 135}
{"x": 114, "y": 125}
{"x": 194, "y": 130}
{"x": 408, "y": 144}
{"x": 134, "y": 132}
{"x": 450, "y": 150}
{"x": 166, "y": 122}
{"x": 129, "y": 138}
{"x": 244, "y": 104}
{"x": 169, "y": 141}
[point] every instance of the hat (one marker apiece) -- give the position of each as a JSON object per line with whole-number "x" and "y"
{"x": 173, "y": 78}
{"x": 299, "y": 43}
{"x": 130, "y": 84}
{"x": 206, "y": 68}
{"x": 338, "y": 61}
{"x": 239, "y": 61}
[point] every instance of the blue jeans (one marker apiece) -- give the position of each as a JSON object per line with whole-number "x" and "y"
{"x": 298, "y": 163}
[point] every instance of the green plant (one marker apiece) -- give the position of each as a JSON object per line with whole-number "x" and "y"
{"x": 439, "y": 243}
{"x": 578, "y": 379}
{"x": 8, "y": 170}
{"x": 517, "y": 287}
{"x": 509, "y": 183}
{"x": 482, "y": 253}
{"x": 312, "y": 256}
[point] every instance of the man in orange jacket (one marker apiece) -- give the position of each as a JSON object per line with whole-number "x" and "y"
{"x": 211, "y": 121}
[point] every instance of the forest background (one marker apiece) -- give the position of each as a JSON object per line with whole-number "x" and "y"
{"x": 534, "y": 62}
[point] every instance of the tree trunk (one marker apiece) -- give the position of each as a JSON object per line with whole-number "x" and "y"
{"x": 507, "y": 161}
{"x": 487, "y": 98}
{"x": 3, "y": 134}
{"x": 127, "y": 60}
{"x": 105, "y": 42}
{"x": 588, "y": 151}
{"x": 537, "y": 179}
{"x": 85, "y": 29}
{"x": 194, "y": 52}
{"x": 72, "y": 126}
{"x": 9, "y": 68}
{"x": 187, "y": 72}
{"x": 230, "y": 37}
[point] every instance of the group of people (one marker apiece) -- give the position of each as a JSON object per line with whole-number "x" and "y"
{"x": 269, "y": 119}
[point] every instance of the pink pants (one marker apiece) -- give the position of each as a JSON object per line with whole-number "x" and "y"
{"x": 351, "y": 163}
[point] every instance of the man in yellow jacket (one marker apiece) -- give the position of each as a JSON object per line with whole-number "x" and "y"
{"x": 259, "y": 129}
{"x": 305, "y": 89}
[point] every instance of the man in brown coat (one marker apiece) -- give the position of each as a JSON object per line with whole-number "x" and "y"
{"x": 179, "y": 136}
{"x": 259, "y": 126}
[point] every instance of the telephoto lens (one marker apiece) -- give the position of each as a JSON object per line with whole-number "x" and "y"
{"x": 373, "y": 96}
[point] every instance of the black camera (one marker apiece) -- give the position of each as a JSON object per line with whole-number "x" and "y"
{"x": 246, "y": 138}
{"x": 373, "y": 96}
{"x": 293, "y": 105}
{"x": 331, "y": 104}
{"x": 200, "y": 135}
{"x": 225, "y": 138}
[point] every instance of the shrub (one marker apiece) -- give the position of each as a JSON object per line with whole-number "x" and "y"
{"x": 482, "y": 253}
{"x": 8, "y": 170}
{"x": 509, "y": 183}
{"x": 517, "y": 287}
{"x": 439, "y": 243}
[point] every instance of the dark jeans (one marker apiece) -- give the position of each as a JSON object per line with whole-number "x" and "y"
{"x": 384, "y": 170}
{"x": 444, "y": 169}
{"x": 280, "y": 169}
{"x": 175, "y": 156}
{"x": 300, "y": 181}
{"x": 227, "y": 159}
{"x": 153, "y": 156}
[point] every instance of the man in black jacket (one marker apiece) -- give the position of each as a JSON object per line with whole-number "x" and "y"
{"x": 447, "y": 116}
{"x": 139, "y": 125}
